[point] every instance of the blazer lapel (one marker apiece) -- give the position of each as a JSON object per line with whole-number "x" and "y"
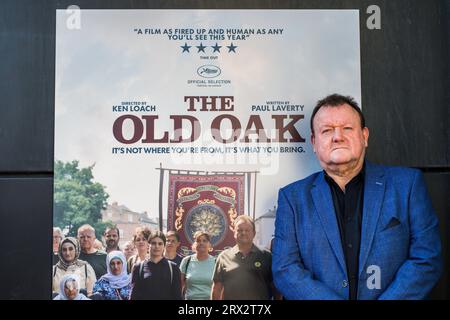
{"x": 324, "y": 206}
{"x": 374, "y": 187}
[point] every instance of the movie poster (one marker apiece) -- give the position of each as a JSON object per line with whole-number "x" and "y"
{"x": 193, "y": 117}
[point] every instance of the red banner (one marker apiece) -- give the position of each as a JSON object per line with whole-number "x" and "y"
{"x": 205, "y": 202}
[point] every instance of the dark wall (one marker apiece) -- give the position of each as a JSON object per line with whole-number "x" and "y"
{"x": 438, "y": 187}
{"x": 405, "y": 96}
{"x": 26, "y": 214}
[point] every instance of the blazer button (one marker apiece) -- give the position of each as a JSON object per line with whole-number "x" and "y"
{"x": 344, "y": 283}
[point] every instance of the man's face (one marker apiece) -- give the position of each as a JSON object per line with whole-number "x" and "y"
{"x": 56, "y": 240}
{"x": 338, "y": 138}
{"x": 112, "y": 238}
{"x": 68, "y": 252}
{"x": 244, "y": 233}
{"x": 128, "y": 250}
{"x": 156, "y": 247}
{"x": 172, "y": 243}
{"x": 86, "y": 239}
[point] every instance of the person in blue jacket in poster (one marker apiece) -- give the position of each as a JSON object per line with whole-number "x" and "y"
{"x": 355, "y": 230}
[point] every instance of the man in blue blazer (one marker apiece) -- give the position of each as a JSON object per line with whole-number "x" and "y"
{"x": 355, "y": 230}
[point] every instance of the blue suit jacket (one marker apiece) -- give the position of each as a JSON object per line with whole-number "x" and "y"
{"x": 400, "y": 241}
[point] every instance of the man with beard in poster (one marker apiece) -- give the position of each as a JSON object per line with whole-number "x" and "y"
{"x": 112, "y": 238}
{"x": 355, "y": 230}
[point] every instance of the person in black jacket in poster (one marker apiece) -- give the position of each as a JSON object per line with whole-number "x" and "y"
{"x": 156, "y": 278}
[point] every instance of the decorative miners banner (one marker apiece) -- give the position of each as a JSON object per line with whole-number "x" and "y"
{"x": 205, "y": 203}
{"x": 142, "y": 94}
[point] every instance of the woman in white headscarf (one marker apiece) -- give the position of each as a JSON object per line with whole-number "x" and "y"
{"x": 69, "y": 287}
{"x": 69, "y": 251}
{"x": 116, "y": 284}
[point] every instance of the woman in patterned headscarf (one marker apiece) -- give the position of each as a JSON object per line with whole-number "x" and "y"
{"x": 116, "y": 284}
{"x": 69, "y": 251}
{"x": 70, "y": 288}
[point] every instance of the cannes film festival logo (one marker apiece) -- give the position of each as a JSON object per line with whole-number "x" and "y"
{"x": 209, "y": 71}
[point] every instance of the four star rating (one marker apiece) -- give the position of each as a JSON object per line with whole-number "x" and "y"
{"x": 202, "y": 48}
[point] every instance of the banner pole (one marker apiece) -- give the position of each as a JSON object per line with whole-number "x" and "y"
{"x": 161, "y": 181}
{"x": 249, "y": 185}
{"x": 254, "y": 197}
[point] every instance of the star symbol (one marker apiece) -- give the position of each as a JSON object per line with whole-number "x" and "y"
{"x": 216, "y": 48}
{"x": 231, "y": 48}
{"x": 185, "y": 47}
{"x": 201, "y": 47}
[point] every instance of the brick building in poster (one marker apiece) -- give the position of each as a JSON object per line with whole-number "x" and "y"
{"x": 127, "y": 220}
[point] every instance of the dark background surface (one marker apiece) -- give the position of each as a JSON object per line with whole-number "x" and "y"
{"x": 405, "y": 97}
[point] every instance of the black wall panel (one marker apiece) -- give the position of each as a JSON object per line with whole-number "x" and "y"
{"x": 405, "y": 84}
{"x": 439, "y": 189}
{"x": 27, "y": 89}
{"x": 405, "y": 96}
{"x": 26, "y": 229}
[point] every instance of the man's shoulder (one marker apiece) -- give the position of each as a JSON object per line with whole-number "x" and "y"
{"x": 302, "y": 183}
{"x": 100, "y": 253}
{"x": 262, "y": 251}
{"x": 227, "y": 252}
{"x": 93, "y": 254}
{"x": 395, "y": 173}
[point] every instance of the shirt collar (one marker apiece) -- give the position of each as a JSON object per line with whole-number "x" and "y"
{"x": 355, "y": 179}
{"x": 235, "y": 249}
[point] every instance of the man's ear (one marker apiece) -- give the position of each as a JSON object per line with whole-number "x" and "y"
{"x": 366, "y": 136}
{"x": 313, "y": 139}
